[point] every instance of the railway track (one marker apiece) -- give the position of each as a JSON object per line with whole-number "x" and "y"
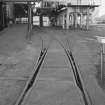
{"x": 30, "y": 85}
{"x": 76, "y": 72}
{"x": 32, "y": 79}
{"x": 35, "y": 71}
{"x": 15, "y": 89}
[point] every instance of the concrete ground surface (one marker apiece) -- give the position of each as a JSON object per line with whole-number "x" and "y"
{"x": 55, "y": 85}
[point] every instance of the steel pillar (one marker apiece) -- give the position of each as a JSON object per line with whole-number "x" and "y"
{"x": 81, "y": 17}
{"x": 63, "y": 22}
{"x": 75, "y": 20}
{"x": 67, "y": 20}
{"x": 41, "y": 15}
{"x": 72, "y": 19}
{"x": 10, "y": 11}
{"x": 87, "y": 19}
{"x": 102, "y": 63}
{"x": 41, "y": 20}
{"x": 29, "y": 20}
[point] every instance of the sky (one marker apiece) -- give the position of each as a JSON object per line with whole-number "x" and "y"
{"x": 102, "y": 8}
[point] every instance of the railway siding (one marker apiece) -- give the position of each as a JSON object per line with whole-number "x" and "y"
{"x": 55, "y": 84}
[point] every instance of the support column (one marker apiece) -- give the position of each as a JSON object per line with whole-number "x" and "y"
{"x": 29, "y": 20}
{"x": 83, "y": 21}
{"x": 87, "y": 19}
{"x": 75, "y": 20}
{"x": 63, "y": 21}
{"x": 72, "y": 20}
{"x": 10, "y": 11}
{"x": 67, "y": 20}
{"x": 92, "y": 19}
{"x": 3, "y": 15}
{"x": 41, "y": 16}
{"x": 81, "y": 17}
{"x": 41, "y": 20}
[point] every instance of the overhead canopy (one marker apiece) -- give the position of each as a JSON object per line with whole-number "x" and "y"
{"x": 73, "y": 2}
{"x": 28, "y": 0}
{"x": 35, "y": 0}
{"x": 20, "y": 0}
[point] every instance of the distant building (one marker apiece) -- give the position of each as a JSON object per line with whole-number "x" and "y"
{"x": 65, "y": 13}
{"x": 75, "y": 13}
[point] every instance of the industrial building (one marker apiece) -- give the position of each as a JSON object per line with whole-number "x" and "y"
{"x": 64, "y": 13}
{"x": 52, "y": 52}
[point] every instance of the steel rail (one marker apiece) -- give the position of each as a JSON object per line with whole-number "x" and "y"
{"x": 32, "y": 78}
{"x": 35, "y": 71}
{"x": 78, "y": 79}
{"x": 77, "y": 74}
